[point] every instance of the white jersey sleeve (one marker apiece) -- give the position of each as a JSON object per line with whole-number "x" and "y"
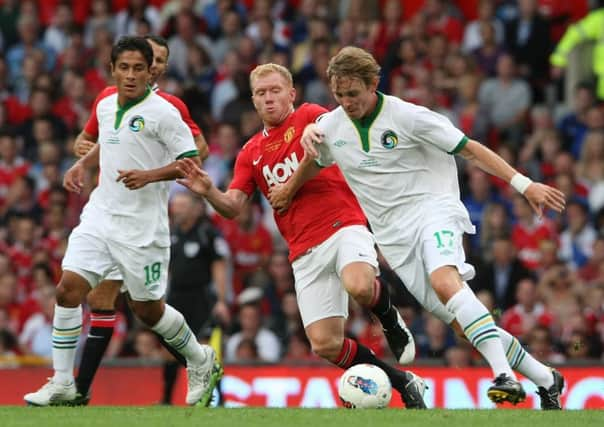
{"x": 435, "y": 129}
{"x": 174, "y": 132}
{"x": 325, "y": 158}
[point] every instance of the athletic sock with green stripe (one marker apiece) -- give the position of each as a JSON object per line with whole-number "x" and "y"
{"x": 479, "y": 327}
{"x": 521, "y": 361}
{"x": 66, "y": 328}
{"x": 177, "y": 334}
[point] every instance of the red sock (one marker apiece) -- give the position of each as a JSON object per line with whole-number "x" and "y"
{"x": 347, "y": 354}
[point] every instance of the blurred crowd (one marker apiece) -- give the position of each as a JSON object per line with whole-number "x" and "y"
{"x": 482, "y": 63}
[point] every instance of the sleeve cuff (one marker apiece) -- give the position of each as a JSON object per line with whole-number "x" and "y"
{"x": 460, "y": 145}
{"x": 192, "y": 153}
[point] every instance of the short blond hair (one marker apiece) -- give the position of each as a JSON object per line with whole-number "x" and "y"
{"x": 353, "y": 62}
{"x": 265, "y": 69}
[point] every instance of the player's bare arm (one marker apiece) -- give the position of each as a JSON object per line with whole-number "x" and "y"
{"x": 83, "y": 143}
{"x": 136, "y": 178}
{"x": 202, "y": 146}
{"x": 539, "y": 195}
{"x": 280, "y": 196}
{"x": 73, "y": 178}
{"x": 227, "y": 204}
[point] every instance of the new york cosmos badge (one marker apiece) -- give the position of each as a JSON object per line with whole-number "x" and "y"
{"x": 389, "y": 139}
{"x": 136, "y": 124}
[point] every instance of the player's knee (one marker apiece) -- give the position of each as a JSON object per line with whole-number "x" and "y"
{"x": 68, "y": 294}
{"x": 361, "y": 290}
{"x": 358, "y": 280}
{"x": 326, "y": 347}
{"x": 446, "y": 282}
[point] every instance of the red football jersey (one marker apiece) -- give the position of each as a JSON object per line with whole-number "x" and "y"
{"x": 92, "y": 125}
{"x": 321, "y": 207}
{"x": 527, "y": 240}
{"x": 249, "y": 248}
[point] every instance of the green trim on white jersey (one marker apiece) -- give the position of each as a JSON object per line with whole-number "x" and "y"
{"x": 192, "y": 153}
{"x": 363, "y": 124}
{"x": 121, "y": 110}
{"x": 460, "y": 146}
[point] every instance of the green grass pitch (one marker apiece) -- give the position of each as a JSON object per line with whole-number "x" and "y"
{"x": 162, "y": 416}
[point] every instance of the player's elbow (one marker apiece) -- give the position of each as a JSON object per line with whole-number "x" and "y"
{"x": 204, "y": 152}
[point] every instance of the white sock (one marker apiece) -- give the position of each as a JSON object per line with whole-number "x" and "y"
{"x": 66, "y": 329}
{"x": 479, "y": 327}
{"x": 175, "y": 331}
{"x": 522, "y": 361}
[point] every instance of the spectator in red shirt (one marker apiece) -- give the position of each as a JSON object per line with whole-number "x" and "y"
{"x": 541, "y": 344}
{"x": 21, "y": 252}
{"x": 386, "y": 31}
{"x": 520, "y": 319}
{"x": 8, "y": 302}
{"x": 250, "y": 242}
{"x": 12, "y": 166}
{"x": 589, "y": 272}
{"x": 528, "y": 232}
{"x": 440, "y": 21}
{"x": 73, "y": 107}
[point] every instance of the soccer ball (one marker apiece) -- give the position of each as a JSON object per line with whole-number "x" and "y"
{"x": 365, "y": 386}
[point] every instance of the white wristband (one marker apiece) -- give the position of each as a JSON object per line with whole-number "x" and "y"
{"x": 520, "y": 182}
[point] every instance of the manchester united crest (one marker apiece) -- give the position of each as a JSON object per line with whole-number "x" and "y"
{"x": 289, "y": 134}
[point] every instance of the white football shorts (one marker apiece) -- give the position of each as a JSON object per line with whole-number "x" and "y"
{"x": 440, "y": 244}
{"x": 319, "y": 291}
{"x": 95, "y": 258}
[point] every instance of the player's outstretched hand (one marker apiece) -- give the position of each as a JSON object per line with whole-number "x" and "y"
{"x": 279, "y": 198}
{"x": 543, "y": 196}
{"x": 193, "y": 177}
{"x": 312, "y": 135}
{"x": 72, "y": 180}
{"x": 133, "y": 179}
{"x": 82, "y": 147}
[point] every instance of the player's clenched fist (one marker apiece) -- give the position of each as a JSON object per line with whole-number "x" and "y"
{"x": 133, "y": 179}
{"x": 82, "y": 147}
{"x": 72, "y": 180}
{"x": 312, "y": 135}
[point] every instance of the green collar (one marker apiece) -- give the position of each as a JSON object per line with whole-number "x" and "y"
{"x": 121, "y": 110}
{"x": 364, "y": 123}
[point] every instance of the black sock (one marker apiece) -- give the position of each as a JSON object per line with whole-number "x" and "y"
{"x": 382, "y": 307}
{"x": 181, "y": 359}
{"x": 354, "y": 353}
{"x": 170, "y": 373}
{"x": 101, "y": 330}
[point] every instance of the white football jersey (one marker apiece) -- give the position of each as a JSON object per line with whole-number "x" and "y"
{"x": 143, "y": 135}
{"x": 399, "y": 163}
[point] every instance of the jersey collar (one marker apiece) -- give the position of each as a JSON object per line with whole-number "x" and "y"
{"x": 364, "y": 123}
{"x": 121, "y": 110}
{"x": 367, "y": 121}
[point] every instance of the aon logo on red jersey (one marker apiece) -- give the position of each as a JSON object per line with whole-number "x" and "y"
{"x": 281, "y": 171}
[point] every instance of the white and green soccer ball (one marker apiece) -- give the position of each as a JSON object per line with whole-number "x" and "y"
{"x": 365, "y": 386}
